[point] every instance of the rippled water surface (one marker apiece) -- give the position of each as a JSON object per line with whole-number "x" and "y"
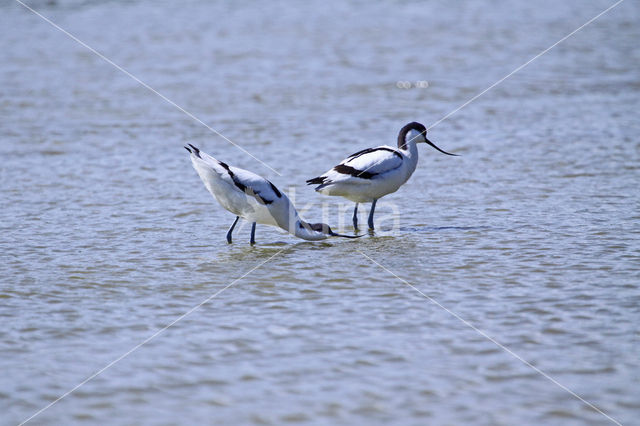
{"x": 531, "y": 237}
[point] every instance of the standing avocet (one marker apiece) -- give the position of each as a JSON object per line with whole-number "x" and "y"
{"x": 253, "y": 198}
{"x": 372, "y": 173}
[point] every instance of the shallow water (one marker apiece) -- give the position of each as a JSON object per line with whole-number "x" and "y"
{"x": 531, "y": 236}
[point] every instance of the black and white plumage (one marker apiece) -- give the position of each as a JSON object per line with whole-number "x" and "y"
{"x": 253, "y": 198}
{"x": 372, "y": 173}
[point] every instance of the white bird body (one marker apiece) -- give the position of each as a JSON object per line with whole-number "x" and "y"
{"x": 390, "y": 167}
{"x": 253, "y": 198}
{"x": 220, "y": 183}
{"x": 373, "y": 173}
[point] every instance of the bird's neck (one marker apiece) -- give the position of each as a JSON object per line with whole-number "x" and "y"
{"x": 287, "y": 218}
{"x": 410, "y": 151}
{"x": 407, "y": 143}
{"x": 408, "y": 139}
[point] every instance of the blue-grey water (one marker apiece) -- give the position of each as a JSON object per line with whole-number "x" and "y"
{"x": 532, "y": 235}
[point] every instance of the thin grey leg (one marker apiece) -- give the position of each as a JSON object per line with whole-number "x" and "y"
{"x": 253, "y": 233}
{"x": 373, "y": 209}
{"x": 355, "y": 217}
{"x": 231, "y": 229}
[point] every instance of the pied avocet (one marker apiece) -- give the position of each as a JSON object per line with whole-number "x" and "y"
{"x": 372, "y": 173}
{"x": 253, "y": 198}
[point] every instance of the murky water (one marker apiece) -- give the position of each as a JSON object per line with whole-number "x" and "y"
{"x": 532, "y": 235}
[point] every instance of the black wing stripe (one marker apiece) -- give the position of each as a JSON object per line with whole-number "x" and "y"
{"x": 233, "y": 177}
{"x": 348, "y": 170}
{"x": 249, "y": 191}
{"x": 317, "y": 180}
{"x": 261, "y": 198}
{"x": 273, "y": 187}
{"x": 368, "y": 150}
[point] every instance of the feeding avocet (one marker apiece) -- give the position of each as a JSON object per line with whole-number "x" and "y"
{"x": 253, "y": 198}
{"x": 372, "y": 173}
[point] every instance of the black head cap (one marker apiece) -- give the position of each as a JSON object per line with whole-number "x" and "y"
{"x": 321, "y": 227}
{"x": 414, "y": 125}
{"x": 326, "y": 229}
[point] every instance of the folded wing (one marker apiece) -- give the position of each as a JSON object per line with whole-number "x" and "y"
{"x": 241, "y": 180}
{"x": 362, "y": 167}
